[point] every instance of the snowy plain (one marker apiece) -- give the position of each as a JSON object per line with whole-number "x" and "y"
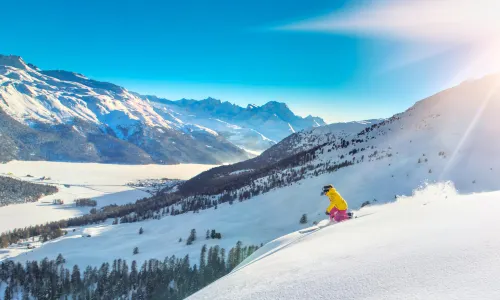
{"x": 105, "y": 183}
{"x": 436, "y": 244}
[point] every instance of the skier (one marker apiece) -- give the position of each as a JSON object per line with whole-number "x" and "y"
{"x": 337, "y": 210}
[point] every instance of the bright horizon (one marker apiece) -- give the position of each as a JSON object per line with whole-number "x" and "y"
{"x": 342, "y": 61}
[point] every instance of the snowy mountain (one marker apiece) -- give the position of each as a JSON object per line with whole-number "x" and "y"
{"x": 61, "y": 115}
{"x": 254, "y": 128}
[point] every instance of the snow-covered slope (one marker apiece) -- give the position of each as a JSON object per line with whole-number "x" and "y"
{"x": 434, "y": 245}
{"x": 254, "y": 128}
{"x": 317, "y": 136}
{"x": 449, "y": 136}
{"x": 67, "y": 109}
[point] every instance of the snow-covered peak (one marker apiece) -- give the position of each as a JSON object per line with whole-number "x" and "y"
{"x": 275, "y": 106}
{"x": 79, "y": 78}
{"x": 13, "y": 61}
{"x": 253, "y": 128}
{"x": 278, "y": 109}
{"x": 212, "y": 101}
{"x": 57, "y": 97}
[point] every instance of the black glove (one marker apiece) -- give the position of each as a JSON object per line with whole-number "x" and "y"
{"x": 327, "y": 213}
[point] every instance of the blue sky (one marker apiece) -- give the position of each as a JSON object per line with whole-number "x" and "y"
{"x": 239, "y": 51}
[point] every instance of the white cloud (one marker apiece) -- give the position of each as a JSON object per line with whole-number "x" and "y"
{"x": 437, "y": 25}
{"x": 459, "y": 21}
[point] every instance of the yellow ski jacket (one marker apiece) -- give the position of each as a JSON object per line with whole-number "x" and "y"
{"x": 335, "y": 200}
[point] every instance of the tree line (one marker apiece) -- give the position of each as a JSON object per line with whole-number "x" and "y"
{"x": 173, "y": 278}
{"x": 13, "y": 191}
{"x": 85, "y": 202}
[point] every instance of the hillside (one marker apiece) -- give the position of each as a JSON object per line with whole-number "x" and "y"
{"x": 433, "y": 140}
{"x": 412, "y": 249}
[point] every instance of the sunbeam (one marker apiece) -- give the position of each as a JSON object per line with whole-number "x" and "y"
{"x": 469, "y": 129}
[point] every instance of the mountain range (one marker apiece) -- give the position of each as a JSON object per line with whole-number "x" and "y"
{"x": 65, "y": 116}
{"x": 433, "y": 160}
{"x": 254, "y": 128}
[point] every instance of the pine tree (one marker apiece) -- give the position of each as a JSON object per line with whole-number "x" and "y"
{"x": 303, "y": 219}
{"x": 238, "y": 253}
{"x": 141, "y": 231}
{"x": 76, "y": 279}
{"x": 192, "y": 237}
{"x": 60, "y": 259}
{"x": 8, "y": 295}
{"x": 136, "y": 250}
{"x": 67, "y": 281}
{"x": 207, "y": 235}
{"x": 4, "y": 242}
{"x": 222, "y": 269}
{"x": 365, "y": 203}
{"x": 212, "y": 234}
{"x": 134, "y": 275}
{"x": 203, "y": 264}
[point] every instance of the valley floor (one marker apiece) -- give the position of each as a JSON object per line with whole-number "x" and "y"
{"x": 105, "y": 183}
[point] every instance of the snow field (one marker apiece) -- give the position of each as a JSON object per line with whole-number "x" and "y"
{"x": 434, "y": 245}
{"x": 104, "y": 183}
